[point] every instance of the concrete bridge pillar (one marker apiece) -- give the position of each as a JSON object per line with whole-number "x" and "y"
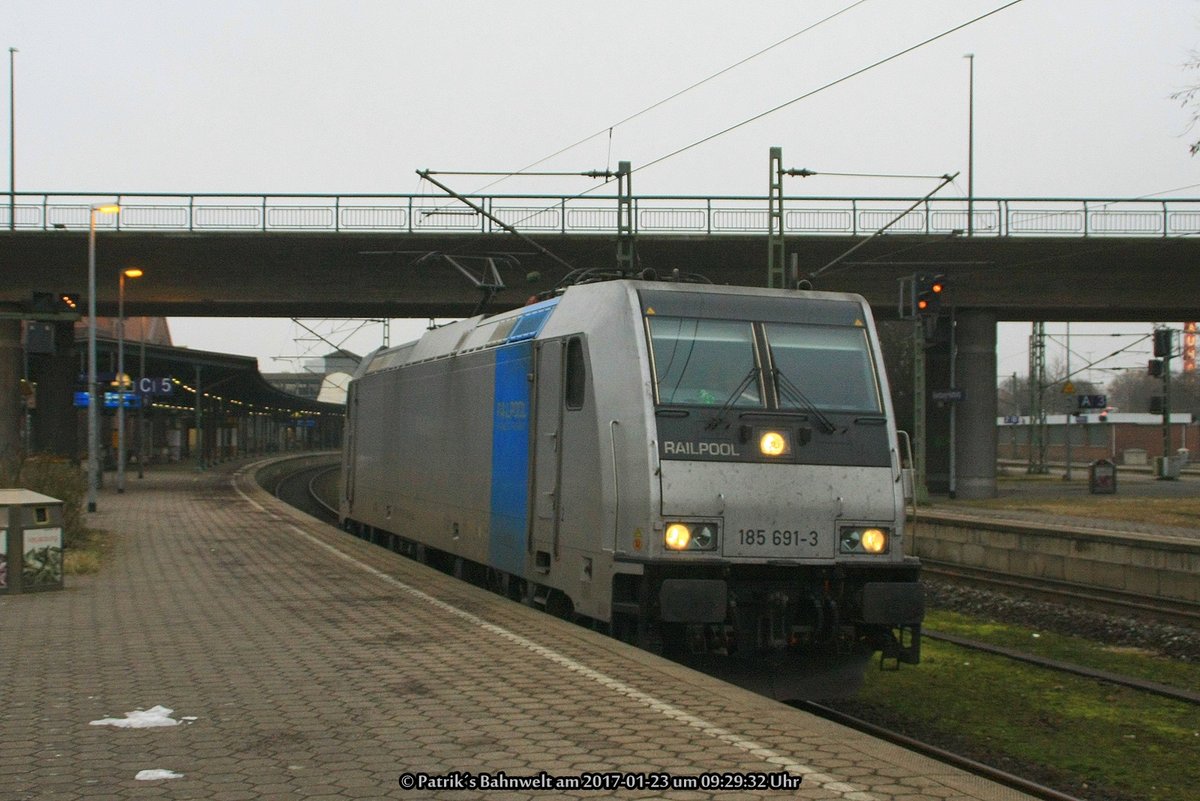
{"x": 55, "y": 420}
{"x": 11, "y": 406}
{"x": 975, "y": 417}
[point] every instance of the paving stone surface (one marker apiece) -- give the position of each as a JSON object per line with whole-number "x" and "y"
{"x": 304, "y": 664}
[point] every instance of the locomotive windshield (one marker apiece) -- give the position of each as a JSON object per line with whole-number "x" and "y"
{"x": 832, "y": 366}
{"x": 701, "y": 362}
{"x": 705, "y": 362}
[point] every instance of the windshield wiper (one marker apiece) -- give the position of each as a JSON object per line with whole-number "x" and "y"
{"x": 793, "y": 393}
{"x": 737, "y": 393}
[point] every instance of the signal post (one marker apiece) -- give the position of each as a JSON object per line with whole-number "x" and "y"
{"x": 954, "y": 398}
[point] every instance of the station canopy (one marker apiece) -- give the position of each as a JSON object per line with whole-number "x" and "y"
{"x": 173, "y": 375}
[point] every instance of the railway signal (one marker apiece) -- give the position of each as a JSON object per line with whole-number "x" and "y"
{"x": 927, "y": 294}
{"x": 921, "y": 301}
{"x": 1164, "y": 341}
{"x": 921, "y": 295}
{"x": 54, "y": 303}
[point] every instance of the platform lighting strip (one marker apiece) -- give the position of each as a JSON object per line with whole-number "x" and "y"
{"x": 262, "y": 409}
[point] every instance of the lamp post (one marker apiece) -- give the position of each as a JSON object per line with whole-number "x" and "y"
{"x": 12, "y": 139}
{"x": 142, "y": 403}
{"x": 970, "y": 57}
{"x": 132, "y": 272}
{"x": 93, "y": 396}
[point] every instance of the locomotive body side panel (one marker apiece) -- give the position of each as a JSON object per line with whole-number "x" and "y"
{"x": 603, "y": 481}
{"x": 509, "y": 462}
{"x": 423, "y": 453}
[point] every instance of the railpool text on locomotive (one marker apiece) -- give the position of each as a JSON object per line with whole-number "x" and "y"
{"x": 463, "y": 780}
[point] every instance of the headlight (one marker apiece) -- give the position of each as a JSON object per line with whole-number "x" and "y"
{"x": 863, "y": 539}
{"x": 690, "y": 536}
{"x": 774, "y": 443}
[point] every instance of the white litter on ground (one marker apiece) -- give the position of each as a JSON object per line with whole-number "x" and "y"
{"x": 140, "y": 719}
{"x": 156, "y": 774}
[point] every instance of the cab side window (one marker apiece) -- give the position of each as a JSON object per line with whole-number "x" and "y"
{"x": 576, "y": 374}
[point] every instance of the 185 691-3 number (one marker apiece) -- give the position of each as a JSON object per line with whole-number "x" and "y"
{"x": 780, "y": 538}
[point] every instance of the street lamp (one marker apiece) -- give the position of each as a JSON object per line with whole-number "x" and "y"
{"x": 970, "y": 57}
{"x": 132, "y": 272}
{"x": 142, "y": 402}
{"x": 12, "y": 139}
{"x": 93, "y": 396}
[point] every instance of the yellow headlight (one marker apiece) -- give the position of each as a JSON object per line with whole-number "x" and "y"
{"x": 772, "y": 443}
{"x": 874, "y": 540}
{"x": 677, "y": 537}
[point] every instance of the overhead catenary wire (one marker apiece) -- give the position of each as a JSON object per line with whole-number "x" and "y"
{"x": 945, "y": 180}
{"x": 543, "y": 174}
{"x": 806, "y": 173}
{"x": 768, "y": 112}
{"x": 608, "y": 129}
{"x": 831, "y": 84}
{"x": 805, "y": 96}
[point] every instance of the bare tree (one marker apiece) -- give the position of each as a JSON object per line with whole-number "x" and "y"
{"x": 1013, "y": 394}
{"x": 1132, "y": 390}
{"x": 1189, "y": 98}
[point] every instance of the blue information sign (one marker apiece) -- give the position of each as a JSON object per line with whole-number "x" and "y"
{"x": 111, "y": 400}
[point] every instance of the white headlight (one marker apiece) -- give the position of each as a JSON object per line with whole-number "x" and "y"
{"x": 863, "y": 539}
{"x": 690, "y": 536}
{"x": 774, "y": 443}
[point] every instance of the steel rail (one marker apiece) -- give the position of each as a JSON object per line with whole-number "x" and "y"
{"x": 940, "y": 754}
{"x": 1144, "y": 685}
{"x": 316, "y": 496}
{"x": 1172, "y": 610}
{"x": 295, "y": 497}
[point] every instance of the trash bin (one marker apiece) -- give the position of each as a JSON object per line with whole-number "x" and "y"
{"x": 1102, "y": 477}
{"x": 31, "y": 541}
{"x": 1167, "y": 467}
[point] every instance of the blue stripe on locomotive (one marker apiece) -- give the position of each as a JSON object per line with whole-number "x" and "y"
{"x": 510, "y": 458}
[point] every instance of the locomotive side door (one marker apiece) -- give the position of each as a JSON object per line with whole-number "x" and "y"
{"x": 547, "y": 454}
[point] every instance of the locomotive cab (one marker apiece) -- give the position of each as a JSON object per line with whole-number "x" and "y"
{"x": 780, "y": 524}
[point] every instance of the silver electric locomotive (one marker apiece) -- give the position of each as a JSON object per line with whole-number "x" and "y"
{"x": 710, "y": 472}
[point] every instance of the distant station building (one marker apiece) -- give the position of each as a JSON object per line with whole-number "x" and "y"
{"x": 1124, "y": 437}
{"x": 326, "y": 379}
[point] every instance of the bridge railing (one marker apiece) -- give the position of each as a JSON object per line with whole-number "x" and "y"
{"x": 588, "y": 214}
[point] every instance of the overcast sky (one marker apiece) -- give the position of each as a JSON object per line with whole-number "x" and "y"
{"x": 1072, "y": 99}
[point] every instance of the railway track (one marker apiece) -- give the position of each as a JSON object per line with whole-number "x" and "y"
{"x": 1144, "y": 685}
{"x": 940, "y": 754}
{"x": 1177, "y": 612}
{"x": 301, "y": 490}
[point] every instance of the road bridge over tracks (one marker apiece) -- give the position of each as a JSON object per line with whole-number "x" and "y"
{"x": 357, "y": 255}
{"x": 328, "y": 256}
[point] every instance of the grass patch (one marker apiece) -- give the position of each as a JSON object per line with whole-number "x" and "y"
{"x": 83, "y": 549}
{"x": 1082, "y": 736}
{"x": 87, "y": 552}
{"x": 1076, "y": 650}
{"x": 1183, "y": 512}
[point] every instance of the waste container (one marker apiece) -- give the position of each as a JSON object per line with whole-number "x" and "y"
{"x": 1167, "y": 467}
{"x": 31, "y": 541}
{"x": 1102, "y": 477}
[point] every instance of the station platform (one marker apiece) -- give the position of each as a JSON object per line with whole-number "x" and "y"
{"x": 301, "y": 663}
